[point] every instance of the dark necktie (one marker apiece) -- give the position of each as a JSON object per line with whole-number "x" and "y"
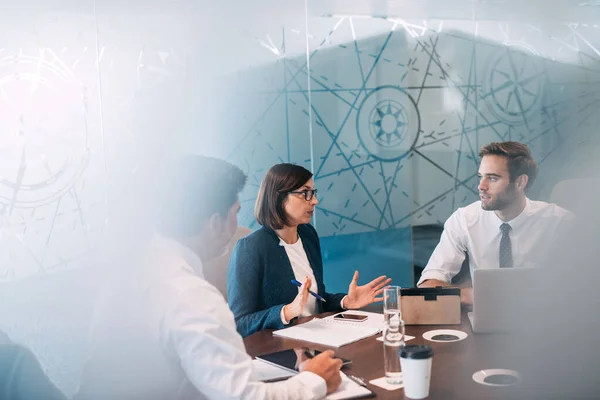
{"x": 506, "y": 260}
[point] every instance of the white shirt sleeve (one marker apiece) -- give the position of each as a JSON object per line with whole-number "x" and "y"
{"x": 200, "y": 329}
{"x": 449, "y": 254}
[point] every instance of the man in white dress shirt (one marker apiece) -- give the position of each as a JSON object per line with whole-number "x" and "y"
{"x": 164, "y": 332}
{"x": 504, "y": 229}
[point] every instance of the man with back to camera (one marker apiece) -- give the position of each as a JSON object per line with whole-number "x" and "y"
{"x": 165, "y": 332}
{"x": 504, "y": 228}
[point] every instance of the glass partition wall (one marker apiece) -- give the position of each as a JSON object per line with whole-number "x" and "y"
{"x": 387, "y": 103}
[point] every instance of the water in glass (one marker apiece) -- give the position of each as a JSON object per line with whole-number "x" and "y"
{"x": 393, "y": 340}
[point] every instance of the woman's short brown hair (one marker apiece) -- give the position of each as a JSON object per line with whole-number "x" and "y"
{"x": 518, "y": 157}
{"x": 277, "y": 183}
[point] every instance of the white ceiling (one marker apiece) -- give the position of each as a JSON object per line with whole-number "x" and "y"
{"x": 535, "y": 11}
{"x": 587, "y": 11}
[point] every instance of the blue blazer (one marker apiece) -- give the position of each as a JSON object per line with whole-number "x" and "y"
{"x": 259, "y": 279}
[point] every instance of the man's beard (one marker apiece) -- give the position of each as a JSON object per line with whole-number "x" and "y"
{"x": 502, "y": 200}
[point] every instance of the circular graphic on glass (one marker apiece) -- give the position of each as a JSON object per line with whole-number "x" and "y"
{"x": 43, "y": 129}
{"x": 513, "y": 83}
{"x": 388, "y": 123}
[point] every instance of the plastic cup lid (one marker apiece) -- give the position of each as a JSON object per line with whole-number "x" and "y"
{"x": 416, "y": 352}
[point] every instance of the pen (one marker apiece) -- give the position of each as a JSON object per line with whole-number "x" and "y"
{"x": 358, "y": 380}
{"x": 295, "y": 282}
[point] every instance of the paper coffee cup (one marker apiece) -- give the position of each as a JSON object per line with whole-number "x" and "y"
{"x": 416, "y": 370}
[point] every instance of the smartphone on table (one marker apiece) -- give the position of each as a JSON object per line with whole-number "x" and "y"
{"x": 348, "y": 316}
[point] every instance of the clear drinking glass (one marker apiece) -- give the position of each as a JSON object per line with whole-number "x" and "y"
{"x": 393, "y": 334}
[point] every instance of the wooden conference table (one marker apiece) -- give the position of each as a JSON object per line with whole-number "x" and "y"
{"x": 453, "y": 363}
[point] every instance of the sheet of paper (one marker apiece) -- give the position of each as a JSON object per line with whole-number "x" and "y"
{"x": 328, "y": 332}
{"x": 264, "y": 371}
{"x": 348, "y": 390}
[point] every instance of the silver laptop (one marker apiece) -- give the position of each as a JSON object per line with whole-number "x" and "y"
{"x": 499, "y": 298}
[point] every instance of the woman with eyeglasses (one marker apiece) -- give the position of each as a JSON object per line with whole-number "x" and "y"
{"x": 263, "y": 264}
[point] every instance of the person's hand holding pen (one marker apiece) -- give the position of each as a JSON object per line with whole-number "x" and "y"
{"x": 316, "y": 295}
{"x": 295, "y": 308}
{"x": 302, "y": 355}
{"x": 324, "y": 365}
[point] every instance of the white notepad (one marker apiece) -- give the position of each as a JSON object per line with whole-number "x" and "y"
{"x": 264, "y": 371}
{"x": 330, "y": 332}
{"x": 349, "y": 390}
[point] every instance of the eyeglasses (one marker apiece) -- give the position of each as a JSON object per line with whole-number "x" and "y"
{"x": 308, "y": 194}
